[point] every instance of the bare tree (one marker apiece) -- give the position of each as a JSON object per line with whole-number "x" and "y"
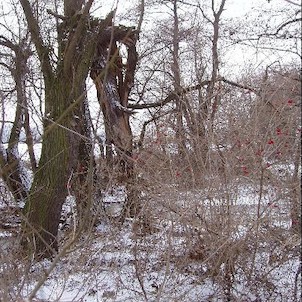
{"x": 64, "y": 84}
{"x": 11, "y": 167}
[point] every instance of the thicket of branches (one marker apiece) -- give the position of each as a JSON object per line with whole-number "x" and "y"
{"x": 148, "y": 113}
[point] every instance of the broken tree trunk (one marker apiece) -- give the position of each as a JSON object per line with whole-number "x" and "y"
{"x": 113, "y": 81}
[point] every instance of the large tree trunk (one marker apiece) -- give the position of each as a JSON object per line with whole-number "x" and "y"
{"x": 49, "y": 188}
{"x": 84, "y": 177}
{"x": 113, "y": 82}
{"x": 64, "y": 96}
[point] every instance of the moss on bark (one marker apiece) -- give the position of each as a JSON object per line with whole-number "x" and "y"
{"x": 48, "y": 192}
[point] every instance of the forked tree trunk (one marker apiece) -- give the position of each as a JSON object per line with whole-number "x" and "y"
{"x": 61, "y": 131}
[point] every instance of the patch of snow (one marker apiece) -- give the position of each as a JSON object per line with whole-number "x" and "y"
{"x": 116, "y": 194}
{"x": 114, "y": 200}
{"x": 119, "y": 264}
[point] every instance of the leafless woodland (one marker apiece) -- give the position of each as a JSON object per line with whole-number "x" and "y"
{"x": 150, "y": 151}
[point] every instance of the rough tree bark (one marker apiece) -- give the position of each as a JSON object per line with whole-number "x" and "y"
{"x": 64, "y": 85}
{"x": 113, "y": 81}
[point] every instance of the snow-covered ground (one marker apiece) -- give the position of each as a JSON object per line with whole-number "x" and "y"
{"x": 226, "y": 245}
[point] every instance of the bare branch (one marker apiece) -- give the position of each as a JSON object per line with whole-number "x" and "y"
{"x": 34, "y": 29}
{"x": 287, "y": 23}
{"x": 141, "y": 16}
{"x": 171, "y": 97}
{"x": 71, "y": 47}
{"x": 293, "y": 3}
{"x": 56, "y": 15}
{"x": 239, "y": 85}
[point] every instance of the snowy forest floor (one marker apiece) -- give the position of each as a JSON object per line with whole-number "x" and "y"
{"x": 221, "y": 243}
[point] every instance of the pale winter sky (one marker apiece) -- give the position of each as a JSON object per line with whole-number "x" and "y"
{"x": 235, "y": 9}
